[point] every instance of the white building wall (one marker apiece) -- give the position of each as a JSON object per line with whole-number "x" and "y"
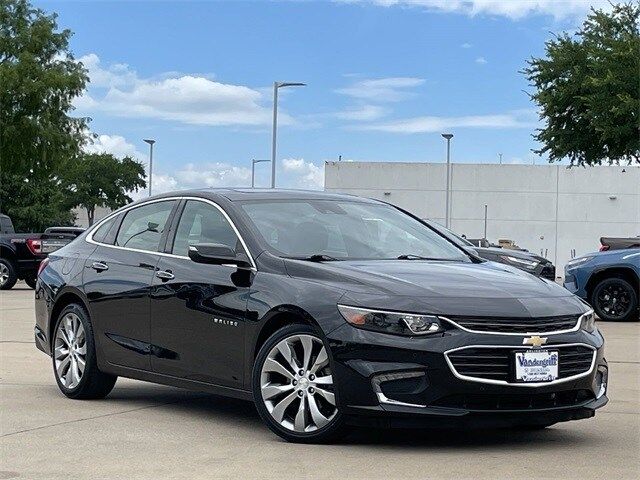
{"x": 543, "y": 208}
{"x": 82, "y": 220}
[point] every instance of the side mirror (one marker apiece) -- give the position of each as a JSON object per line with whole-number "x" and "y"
{"x": 217, "y": 254}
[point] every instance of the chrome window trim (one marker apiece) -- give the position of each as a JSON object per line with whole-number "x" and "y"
{"x": 520, "y": 347}
{"x": 89, "y": 237}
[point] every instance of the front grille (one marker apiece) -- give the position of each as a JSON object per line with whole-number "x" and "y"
{"x": 522, "y": 325}
{"x": 497, "y": 363}
{"x": 535, "y": 401}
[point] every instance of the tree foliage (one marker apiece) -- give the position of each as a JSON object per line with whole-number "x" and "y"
{"x": 102, "y": 180}
{"x": 34, "y": 205}
{"x": 39, "y": 79}
{"x": 588, "y": 90}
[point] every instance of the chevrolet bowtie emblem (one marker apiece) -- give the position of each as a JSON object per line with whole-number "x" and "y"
{"x": 534, "y": 341}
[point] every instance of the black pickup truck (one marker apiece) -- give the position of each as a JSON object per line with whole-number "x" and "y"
{"x": 21, "y": 253}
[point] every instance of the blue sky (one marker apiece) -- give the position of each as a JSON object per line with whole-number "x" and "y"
{"x": 385, "y": 78}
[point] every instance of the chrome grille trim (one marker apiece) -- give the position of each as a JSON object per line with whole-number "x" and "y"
{"x": 533, "y": 331}
{"x": 520, "y": 347}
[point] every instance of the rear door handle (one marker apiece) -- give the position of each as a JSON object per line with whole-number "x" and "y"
{"x": 165, "y": 275}
{"x": 99, "y": 266}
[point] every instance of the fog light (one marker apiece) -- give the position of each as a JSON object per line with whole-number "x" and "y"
{"x": 602, "y": 378}
{"x": 394, "y": 385}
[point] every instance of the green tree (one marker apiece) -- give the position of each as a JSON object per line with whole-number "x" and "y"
{"x": 102, "y": 180}
{"x": 34, "y": 205}
{"x": 588, "y": 90}
{"x": 39, "y": 79}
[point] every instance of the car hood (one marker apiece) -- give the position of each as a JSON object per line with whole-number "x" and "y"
{"x": 448, "y": 287}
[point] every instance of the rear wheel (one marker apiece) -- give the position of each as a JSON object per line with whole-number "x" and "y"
{"x": 293, "y": 386}
{"x": 615, "y": 299}
{"x": 74, "y": 357}
{"x": 8, "y": 276}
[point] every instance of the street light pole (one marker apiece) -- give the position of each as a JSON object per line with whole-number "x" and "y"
{"x": 253, "y": 171}
{"x": 276, "y": 87}
{"x": 150, "y": 142}
{"x": 448, "y": 137}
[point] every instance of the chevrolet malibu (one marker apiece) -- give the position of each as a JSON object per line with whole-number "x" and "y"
{"x": 326, "y": 310}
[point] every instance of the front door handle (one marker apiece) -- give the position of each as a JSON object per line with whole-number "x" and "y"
{"x": 99, "y": 266}
{"x": 165, "y": 275}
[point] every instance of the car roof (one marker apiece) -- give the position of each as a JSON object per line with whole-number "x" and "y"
{"x": 242, "y": 194}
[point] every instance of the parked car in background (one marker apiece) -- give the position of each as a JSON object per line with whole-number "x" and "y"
{"x": 21, "y": 253}
{"x": 619, "y": 243}
{"x": 534, "y": 264}
{"x": 608, "y": 281}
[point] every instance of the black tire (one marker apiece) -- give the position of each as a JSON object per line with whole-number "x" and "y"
{"x": 93, "y": 383}
{"x": 9, "y": 274}
{"x": 31, "y": 280}
{"x": 328, "y": 433}
{"x": 623, "y": 291}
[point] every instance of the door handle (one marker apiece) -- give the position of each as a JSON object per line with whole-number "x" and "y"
{"x": 165, "y": 275}
{"x": 99, "y": 266}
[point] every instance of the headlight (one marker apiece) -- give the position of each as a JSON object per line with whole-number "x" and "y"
{"x": 578, "y": 261}
{"x": 391, "y": 322}
{"x": 588, "y": 321}
{"x": 520, "y": 262}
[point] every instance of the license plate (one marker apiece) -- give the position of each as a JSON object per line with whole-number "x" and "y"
{"x": 537, "y": 366}
{"x": 49, "y": 246}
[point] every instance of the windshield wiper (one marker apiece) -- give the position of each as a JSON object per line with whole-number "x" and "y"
{"x": 318, "y": 257}
{"x": 416, "y": 257}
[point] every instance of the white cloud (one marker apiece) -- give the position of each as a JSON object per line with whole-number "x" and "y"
{"x": 190, "y": 99}
{"x": 425, "y": 124}
{"x": 116, "y": 145}
{"x": 513, "y": 9}
{"x": 305, "y": 174}
{"x": 362, "y": 113}
{"x": 215, "y": 174}
{"x": 294, "y": 173}
{"x": 466, "y": 45}
{"x": 392, "y": 89}
{"x": 481, "y": 60}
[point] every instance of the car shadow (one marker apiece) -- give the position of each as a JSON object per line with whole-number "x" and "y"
{"x": 207, "y": 407}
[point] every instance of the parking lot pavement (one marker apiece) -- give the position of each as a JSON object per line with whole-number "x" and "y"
{"x": 148, "y": 431}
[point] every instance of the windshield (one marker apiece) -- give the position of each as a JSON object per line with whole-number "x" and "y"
{"x": 344, "y": 230}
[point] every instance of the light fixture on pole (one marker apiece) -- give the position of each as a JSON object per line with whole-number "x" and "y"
{"x": 150, "y": 142}
{"x": 448, "y": 137}
{"x": 276, "y": 87}
{"x": 253, "y": 170}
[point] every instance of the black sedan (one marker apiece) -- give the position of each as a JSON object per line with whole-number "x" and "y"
{"x": 325, "y": 310}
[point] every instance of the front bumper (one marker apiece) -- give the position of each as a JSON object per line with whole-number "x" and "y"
{"x": 424, "y": 391}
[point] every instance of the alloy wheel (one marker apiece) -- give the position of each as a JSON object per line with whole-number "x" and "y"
{"x": 4, "y": 274}
{"x": 297, "y": 386}
{"x": 70, "y": 350}
{"x": 614, "y": 300}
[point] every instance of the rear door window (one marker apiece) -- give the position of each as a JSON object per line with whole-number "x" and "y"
{"x": 142, "y": 227}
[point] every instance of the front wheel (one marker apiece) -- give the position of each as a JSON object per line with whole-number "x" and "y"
{"x": 74, "y": 357}
{"x": 293, "y": 386}
{"x": 615, "y": 299}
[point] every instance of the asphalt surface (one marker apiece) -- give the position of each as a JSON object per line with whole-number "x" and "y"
{"x": 153, "y": 432}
